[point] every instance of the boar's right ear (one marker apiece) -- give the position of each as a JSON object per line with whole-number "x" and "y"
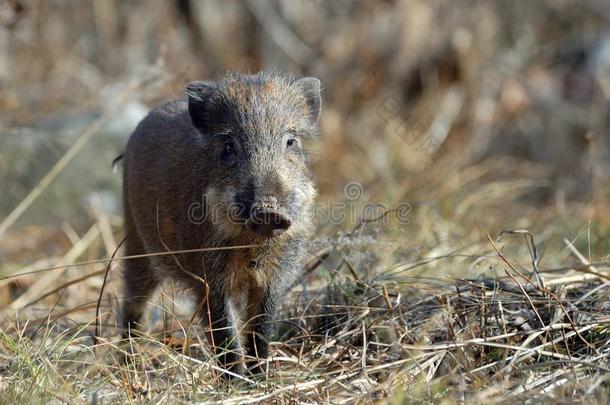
{"x": 200, "y": 97}
{"x": 310, "y": 86}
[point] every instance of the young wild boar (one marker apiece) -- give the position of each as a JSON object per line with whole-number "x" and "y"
{"x": 224, "y": 168}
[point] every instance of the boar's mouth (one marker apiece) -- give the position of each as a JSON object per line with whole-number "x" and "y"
{"x": 268, "y": 222}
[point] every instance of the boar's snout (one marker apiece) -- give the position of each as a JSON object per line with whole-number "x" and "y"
{"x": 268, "y": 219}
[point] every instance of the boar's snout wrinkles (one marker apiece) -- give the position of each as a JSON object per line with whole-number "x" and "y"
{"x": 225, "y": 167}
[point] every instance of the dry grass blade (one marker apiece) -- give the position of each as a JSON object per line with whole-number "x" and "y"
{"x": 107, "y": 260}
{"x": 69, "y": 259}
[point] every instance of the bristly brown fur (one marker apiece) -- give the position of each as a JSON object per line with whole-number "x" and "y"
{"x": 181, "y": 191}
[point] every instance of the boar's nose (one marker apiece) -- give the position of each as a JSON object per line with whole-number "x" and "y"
{"x": 269, "y": 222}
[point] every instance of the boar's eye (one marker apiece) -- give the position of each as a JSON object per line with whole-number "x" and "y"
{"x": 291, "y": 141}
{"x": 228, "y": 156}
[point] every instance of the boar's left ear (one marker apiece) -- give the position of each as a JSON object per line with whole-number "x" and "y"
{"x": 310, "y": 86}
{"x": 201, "y": 102}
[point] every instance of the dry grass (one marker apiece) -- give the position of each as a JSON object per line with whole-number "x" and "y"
{"x": 359, "y": 327}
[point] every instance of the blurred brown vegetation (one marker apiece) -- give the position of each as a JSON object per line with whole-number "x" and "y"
{"x": 466, "y": 81}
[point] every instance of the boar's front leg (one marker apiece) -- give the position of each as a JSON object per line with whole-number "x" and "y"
{"x": 220, "y": 330}
{"x": 263, "y": 303}
{"x": 258, "y": 330}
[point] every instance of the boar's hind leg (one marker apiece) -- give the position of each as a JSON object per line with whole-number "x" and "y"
{"x": 140, "y": 284}
{"x": 220, "y": 330}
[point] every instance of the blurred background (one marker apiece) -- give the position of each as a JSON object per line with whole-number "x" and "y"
{"x": 480, "y": 115}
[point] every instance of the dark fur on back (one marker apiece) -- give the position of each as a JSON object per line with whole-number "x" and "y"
{"x": 195, "y": 172}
